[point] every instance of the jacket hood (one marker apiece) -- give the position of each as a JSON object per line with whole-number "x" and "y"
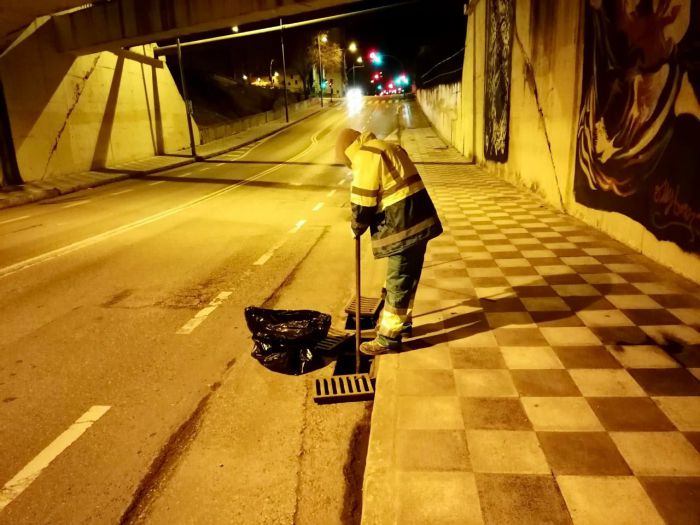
{"x": 353, "y": 148}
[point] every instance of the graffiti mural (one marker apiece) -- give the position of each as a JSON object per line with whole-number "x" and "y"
{"x": 638, "y": 140}
{"x": 499, "y": 43}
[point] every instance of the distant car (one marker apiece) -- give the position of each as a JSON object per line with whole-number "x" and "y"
{"x": 355, "y": 93}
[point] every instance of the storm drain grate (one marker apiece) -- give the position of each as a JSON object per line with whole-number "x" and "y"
{"x": 369, "y": 306}
{"x": 351, "y": 387}
{"x": 333, "y": 340}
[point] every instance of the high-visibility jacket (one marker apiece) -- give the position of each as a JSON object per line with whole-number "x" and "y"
{"x": 388, "y": 197}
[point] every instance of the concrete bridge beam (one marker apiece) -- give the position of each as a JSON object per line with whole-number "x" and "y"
{"x": 127, "y": 23}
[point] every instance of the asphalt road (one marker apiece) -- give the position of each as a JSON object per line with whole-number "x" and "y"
{"x": 121, "y": 306}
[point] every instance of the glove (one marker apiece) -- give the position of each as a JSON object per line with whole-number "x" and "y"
{"x": 358, "y": 229}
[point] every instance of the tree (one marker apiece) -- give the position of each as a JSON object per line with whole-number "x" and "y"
{"x": 300, "y": 63}
{"x": 331, "y": 55}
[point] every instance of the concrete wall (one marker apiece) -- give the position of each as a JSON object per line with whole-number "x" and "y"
{"x": 72, "y": 114}
{"x": 224, "y": 130}
{"x": 546, "y": 71}
{"x": 443, "y": 107}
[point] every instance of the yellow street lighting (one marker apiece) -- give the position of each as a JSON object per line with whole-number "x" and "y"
{"x": 324, "y": 38}
{"x": 245, "y": 77}
{"x": 359, "y": 60}
{"x": 277, "y": 74}
{"x": 234, "y": 29}
{"x": 352, "y": 47}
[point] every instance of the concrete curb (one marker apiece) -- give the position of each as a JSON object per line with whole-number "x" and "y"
{"x": 30, "y": 195}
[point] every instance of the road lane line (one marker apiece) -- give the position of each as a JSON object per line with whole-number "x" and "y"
{"x": 205, "y": 312}
{"x": 331, "y": 193}
{"x": 122, "y": 191}
{"x": 8, "y": 221}
{"x": 78, "y": 245}
{"x": 156, "y": 183}
{"x": 269, "y": 253}
{"x": 31, "y": 471}
{"x": 298, "y": 226}
{"x": 318, "y": 206}
{"x": 76, "y": 203}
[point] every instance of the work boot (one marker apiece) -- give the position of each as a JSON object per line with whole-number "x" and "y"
{"x": 375, "y": 347}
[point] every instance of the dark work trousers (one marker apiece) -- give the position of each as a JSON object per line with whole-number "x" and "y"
{"x": 402, "y": 276}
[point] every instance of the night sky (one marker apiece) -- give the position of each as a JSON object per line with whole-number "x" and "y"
{"x": 419, "y": 35}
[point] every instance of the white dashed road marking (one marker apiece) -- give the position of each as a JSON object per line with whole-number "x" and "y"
{"x": 76, "y": 203}
{"x": 331, "y": 193}
{"x": 8, "y": 221}
{"x": 122, "y": 191}
{"x": 318, "y": 206}
{"x": 200, "y": 316}
{"x": 156, "y": 183}
{"x": 31, "y": 471}
{"x": 298, "y": 226}
{"x": 269, "y": 253}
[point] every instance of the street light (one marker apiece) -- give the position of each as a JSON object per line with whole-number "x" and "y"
{"x": 353, "y": 49}
{"x": 320, "y": 38}
{"x": 234, "y": 29}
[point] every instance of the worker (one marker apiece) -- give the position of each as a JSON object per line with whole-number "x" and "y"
{"x": 389, "y": 198}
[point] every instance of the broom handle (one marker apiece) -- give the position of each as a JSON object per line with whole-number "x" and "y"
{"x": 357, "y": 305}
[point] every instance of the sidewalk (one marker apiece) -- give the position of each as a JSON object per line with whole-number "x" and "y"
{"x": 552, "y": 378}
{"x": 61, "y": 184}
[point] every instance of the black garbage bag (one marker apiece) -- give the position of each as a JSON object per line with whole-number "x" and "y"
{"x": 285, "y": 339}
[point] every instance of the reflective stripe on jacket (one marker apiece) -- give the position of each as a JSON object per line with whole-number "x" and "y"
{"x": 388, "y": 196}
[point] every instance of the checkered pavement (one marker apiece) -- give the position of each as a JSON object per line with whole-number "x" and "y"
{"x": 552, "y": 376}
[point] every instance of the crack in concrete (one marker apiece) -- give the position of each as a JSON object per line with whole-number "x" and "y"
{"x": 530, "y": 78}
{"x": 354, "y": 469}
{"x": 300, "y": 454}
{"x": 165, "y": 461}
{"x": 79, "y": 88}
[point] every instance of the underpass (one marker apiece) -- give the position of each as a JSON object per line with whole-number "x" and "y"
{"x": 103, "y": 285}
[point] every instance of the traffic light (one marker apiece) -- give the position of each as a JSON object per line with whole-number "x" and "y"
{"x": 324, "y": 84}
{"x": 375, "y": 56}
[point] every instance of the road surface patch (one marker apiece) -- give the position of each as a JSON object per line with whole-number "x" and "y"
{"x": 269, "y": 253}
{"x": 205, "y": 312}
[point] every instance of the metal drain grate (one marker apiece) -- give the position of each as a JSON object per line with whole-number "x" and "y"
{"x": 334, "y": 339}
{"x": 369, "y": 306}
{"x": 351, "y": 387}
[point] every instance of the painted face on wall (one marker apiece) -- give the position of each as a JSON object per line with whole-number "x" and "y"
{"x": 639, "y": 124}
